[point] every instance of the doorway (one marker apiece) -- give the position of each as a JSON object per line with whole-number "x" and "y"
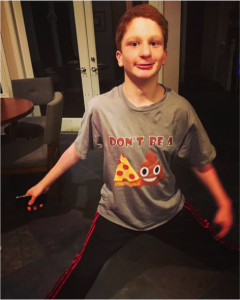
{"x": 80, "y": 58}
{"x": 51, "y": 33}
{"x": 74, "y": 43}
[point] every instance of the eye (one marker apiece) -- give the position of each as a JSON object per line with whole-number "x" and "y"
{"x": 154, "y": 43}
{"x": 134, "y": 44}
{"x": 156, "y": 170}
{"x": 144, "y": 172}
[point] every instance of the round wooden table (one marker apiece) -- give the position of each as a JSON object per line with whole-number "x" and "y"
{"x": 13, "y": 109}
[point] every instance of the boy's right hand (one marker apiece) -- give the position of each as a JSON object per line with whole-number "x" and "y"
{"x": 35, "y": 191}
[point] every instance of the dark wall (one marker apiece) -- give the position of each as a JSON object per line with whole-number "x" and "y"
{"x": 194, "y": 35}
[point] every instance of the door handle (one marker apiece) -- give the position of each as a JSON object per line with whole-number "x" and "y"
{"x": 100, "y": 67}
{"x": 82, "y": 69}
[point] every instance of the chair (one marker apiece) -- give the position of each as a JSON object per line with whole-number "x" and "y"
{"x": 38, "y": 154}
{"x": 38, "y": 90}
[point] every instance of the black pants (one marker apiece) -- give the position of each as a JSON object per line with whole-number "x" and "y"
{"x": 106, "y": 238}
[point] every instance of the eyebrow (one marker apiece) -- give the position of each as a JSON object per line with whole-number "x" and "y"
{"x": 137, "y": 37}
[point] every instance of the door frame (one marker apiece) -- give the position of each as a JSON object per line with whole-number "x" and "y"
{"x": 91, "y": 47}
{"x": 159, "y": 5}
{"x": 5, "y": 76}
{"x": 13, "y": 38}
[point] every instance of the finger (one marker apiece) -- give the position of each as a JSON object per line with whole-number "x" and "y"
{"x": 30, "y": 202}
{"x": 218, "y": 237}
{"x": 222, "y": 233}
{"x": 29, "y": 208}
{"x": 35, "y": 207}
{"x": 40, "y": 205}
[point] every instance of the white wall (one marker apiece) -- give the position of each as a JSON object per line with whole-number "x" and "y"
{"x": 10, "y": 44}
{"x": 172, "y": 12}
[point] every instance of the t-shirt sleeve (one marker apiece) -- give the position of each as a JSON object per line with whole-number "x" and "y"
{"x": 88, "y": 136}
{"x": 196, "y": 149}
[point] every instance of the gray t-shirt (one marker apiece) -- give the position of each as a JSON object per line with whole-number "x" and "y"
{"x": 140, "y": 189}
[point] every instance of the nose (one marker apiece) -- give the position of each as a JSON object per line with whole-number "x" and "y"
{"x": 145, "y": 50}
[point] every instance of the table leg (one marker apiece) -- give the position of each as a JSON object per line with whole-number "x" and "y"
{"x": 13, "y": 129}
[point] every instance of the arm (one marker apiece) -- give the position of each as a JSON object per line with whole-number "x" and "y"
{"x": 224, "y": 216}
{"x": 69, "y": 158}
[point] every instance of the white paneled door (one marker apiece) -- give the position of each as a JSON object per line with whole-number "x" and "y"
{"x": 60, "y": 43}
{"x": 74, "y": 43}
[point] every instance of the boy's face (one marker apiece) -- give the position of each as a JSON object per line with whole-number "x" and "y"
{"x": 142, "y": 53}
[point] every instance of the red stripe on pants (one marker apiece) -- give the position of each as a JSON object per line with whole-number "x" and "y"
{"x": 205, "y": 224}
{"x": 76, "y": 260}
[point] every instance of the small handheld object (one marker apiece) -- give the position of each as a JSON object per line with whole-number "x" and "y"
{"x": 22, "y": 201}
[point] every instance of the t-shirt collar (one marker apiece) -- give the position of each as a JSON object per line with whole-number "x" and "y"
{"x": 142, "y": 108}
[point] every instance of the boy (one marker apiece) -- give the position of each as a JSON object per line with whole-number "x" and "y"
{"x": 143, "y": 127}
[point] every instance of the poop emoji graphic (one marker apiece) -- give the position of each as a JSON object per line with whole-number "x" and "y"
{"x": 150, "y": 173}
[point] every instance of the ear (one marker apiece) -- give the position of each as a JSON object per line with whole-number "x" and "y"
{"x": 119, "y": 58}
{"x": 164, "y": 58}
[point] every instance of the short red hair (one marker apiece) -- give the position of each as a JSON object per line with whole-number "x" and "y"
{"x": 141, "y": 11}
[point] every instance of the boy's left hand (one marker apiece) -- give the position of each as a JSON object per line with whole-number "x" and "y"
{"x": 224, "y": 218}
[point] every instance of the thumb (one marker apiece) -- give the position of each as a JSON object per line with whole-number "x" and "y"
{"x": 32, "y": 200}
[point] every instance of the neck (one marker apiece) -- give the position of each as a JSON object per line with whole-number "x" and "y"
{"x": 142, "y": 92}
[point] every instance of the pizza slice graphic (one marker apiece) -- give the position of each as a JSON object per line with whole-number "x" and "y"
{"x": 125, "y": 174}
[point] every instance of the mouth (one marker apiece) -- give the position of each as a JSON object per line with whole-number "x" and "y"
{"x": 144, "y": 66}
{"x": 150, "y": 179}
